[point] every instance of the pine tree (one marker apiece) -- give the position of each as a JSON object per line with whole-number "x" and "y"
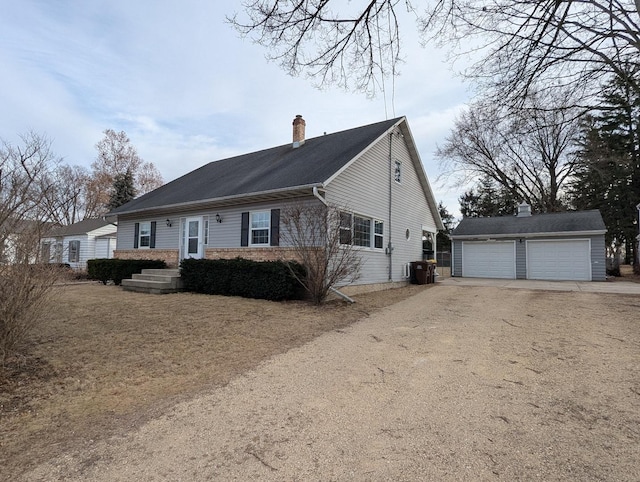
{"x": 608, "y": 177}
{"x": 486, "y": 199}
{"x": 122, "y": 191}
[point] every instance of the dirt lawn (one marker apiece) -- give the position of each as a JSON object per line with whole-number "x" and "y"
{"x": 454, "y": 383}
{"x": 105, "y": 360}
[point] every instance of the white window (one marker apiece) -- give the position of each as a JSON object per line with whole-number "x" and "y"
{"x": 144, "y": 237}
{"x": 378, "y": 234}
{"x": 205, "y": 229}
{"x": 397, "y": 172}
{"x": 74, "y": 251}
{"x": 361, "y": 231}
{"x": 259, "y": 227}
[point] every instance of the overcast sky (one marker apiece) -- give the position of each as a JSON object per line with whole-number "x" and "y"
{"x": 187, "y": 89}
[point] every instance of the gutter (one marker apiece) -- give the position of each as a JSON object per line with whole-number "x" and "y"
{"x": 232, "y": 199}
{"x": 487, "y": 237}
{"x": 317, "y": 194}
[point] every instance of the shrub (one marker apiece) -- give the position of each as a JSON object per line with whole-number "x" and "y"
{"x": 268, "y": 280}
{"x": 119, "y": 269}
{"x": 25, "y": 292}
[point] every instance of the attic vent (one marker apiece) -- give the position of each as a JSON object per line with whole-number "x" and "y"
{"x": 524, "y": 210}
{"x": 298, "y": 131}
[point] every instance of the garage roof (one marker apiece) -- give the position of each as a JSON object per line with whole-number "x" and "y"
{"x": 569, "y": 223}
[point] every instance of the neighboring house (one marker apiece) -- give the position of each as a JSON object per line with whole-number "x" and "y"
{"x": 231, "y": 208}
{"x": 554, "y": 246}
{"x": 79, "y": 242}
{"x": 19, "y": 240}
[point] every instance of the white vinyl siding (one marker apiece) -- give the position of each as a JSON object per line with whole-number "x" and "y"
{"x": 364, "y": 187}
{"x": 559, "y": 260}
{"x": 489, "y": 259}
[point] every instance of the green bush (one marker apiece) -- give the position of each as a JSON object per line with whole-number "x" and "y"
{"x": 119, "y": 269}
{"x": 268, "y": 280}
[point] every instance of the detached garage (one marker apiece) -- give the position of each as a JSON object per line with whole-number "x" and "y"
{"x": 555, "y": 246}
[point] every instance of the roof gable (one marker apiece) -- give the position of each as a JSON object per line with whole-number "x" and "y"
{"x": 551, "y": 223}
{"x": 82, "y": 227}
{"x": 279, "y": 168}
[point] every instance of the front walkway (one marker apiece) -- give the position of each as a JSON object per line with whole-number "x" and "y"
{"x": 619, "y": 287}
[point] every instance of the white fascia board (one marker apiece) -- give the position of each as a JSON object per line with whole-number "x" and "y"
{"x": 361, "y": 153}
{"x": 563, "y": 234}
{"x": 417, "y": 162}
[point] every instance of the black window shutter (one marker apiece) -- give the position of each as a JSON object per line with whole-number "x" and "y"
{"x": 244, "y": 232}
{"x": 275, "y": 227}
{"x": 152, "y": 241}
{"x": 136, "y": 235}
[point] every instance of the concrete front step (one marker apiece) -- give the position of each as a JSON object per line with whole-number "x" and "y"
{"x": 154, "y": 281}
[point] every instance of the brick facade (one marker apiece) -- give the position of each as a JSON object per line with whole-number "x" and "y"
{"x": 170, "y": 256}
{"x": 254, "y": 254}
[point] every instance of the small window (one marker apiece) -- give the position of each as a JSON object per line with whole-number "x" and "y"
{"x": 378, "y": 234}
{"x": 144, "y": 239}
{"x": 259, "y": 228}
{"x": 46, "y": 252}
{"x": 205, "y": 228}
{"x": 74, "y": 251}
{"x": 345, "y": 228}
{"x": 397, "y": 172}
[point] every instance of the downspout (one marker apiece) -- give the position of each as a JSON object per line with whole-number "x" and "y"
{"x": 390, "y": 245}
{"x": 332, "y": 289}
{"x": 317, "y": 194}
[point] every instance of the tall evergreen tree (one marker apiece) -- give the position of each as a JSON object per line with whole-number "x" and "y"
{"x": 608, "y": 177}
{"x": 486, "y": 199}
{"x": 123, "y": 190}
{"x": 443, "y": 243}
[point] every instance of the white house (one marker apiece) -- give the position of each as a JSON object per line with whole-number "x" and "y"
{"x": 231, "y": 207}
{"x": 79, "y": 242}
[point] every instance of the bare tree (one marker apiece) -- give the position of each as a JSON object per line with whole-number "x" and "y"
{"x": 24, "y": 287}
{"x": 313, "y": 231}
{"x": 116, "y": 156}
{"x": 530, "y": 153}
{"x": 69, "y": 198}
{"x": 520, "y": 42}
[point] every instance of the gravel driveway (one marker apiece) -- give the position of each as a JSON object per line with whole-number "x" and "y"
{"x": 456, "y": 383}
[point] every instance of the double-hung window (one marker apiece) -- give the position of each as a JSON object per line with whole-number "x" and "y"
{"x": 74, "y": 251}
{"x": 259, "y": 226}
{"x": 144, "y": 236}
{"x": 361, "y": 231}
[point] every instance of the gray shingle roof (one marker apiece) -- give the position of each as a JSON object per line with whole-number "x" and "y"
{"x": 552, "y": 223}
{"x": 81, "y": 227}
{"x": 278, "y": 168}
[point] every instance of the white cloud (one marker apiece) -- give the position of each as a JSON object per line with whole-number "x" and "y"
{"x": 185, "y": 87}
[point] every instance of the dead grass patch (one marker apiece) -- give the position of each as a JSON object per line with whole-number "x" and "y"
{"x": 105, "y": 360}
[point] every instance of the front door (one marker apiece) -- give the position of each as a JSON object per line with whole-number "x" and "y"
{"x": 192, "y": 242}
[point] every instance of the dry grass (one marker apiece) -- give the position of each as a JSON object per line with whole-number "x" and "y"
{"x": 106, "y": 360}
{"x": 627, "y": 274}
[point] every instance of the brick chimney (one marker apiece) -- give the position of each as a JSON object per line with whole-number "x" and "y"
{"x": 298, "y": 131}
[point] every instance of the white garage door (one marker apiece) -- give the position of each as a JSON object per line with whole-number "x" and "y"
{"x": 559, "y": 260}
{"x": 495, "y": 259}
